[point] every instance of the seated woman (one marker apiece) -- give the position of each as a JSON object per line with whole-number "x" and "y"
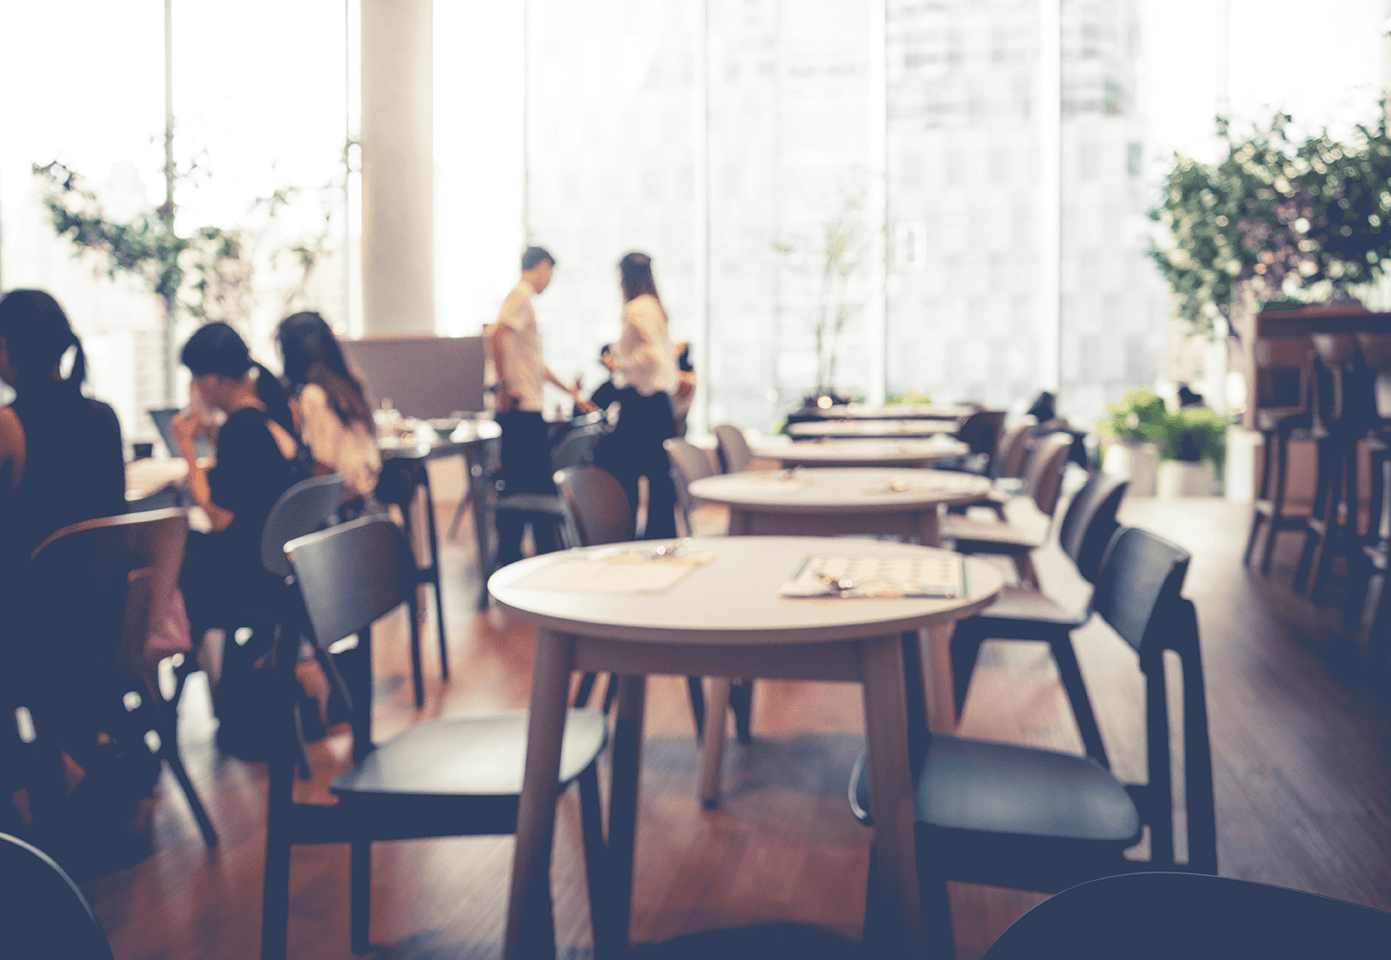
{"x": 334, "y": 417}
{"x": 258, "y": 457}
{"x": 61, "y": 459}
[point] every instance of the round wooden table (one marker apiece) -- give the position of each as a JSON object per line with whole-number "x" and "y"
{"x": 723, "y": 618}
{"x": 912, "y": 452}
{"x": 901, "y": 503}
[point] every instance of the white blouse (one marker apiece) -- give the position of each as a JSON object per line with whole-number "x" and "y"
{"x": 645, "y": 355}
{"x": 351, "y": 451}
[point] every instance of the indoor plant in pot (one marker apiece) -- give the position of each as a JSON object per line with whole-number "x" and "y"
{"x": 1192, "y": 453}
{"x": 1133, "y": 427}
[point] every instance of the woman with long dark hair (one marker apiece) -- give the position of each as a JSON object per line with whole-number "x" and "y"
{"x": 61, "y": 459}
{"x": 644, "y": 359}
{"x": 334, "y": 416}
{"x": 258, "y": 458}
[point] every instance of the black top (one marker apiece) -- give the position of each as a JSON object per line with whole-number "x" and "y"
{"x": 74, "y": 467}
{"x": 250, "y": 475}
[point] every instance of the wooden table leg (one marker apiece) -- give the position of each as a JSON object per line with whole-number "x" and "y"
{"x": 712, "y": 749}
{"x": 740, "y": 522}
{"x": 530, "y": 931}
{"x": 623, "y": 804}
{"x": 930, "y": 528}
{"x": 891, "y": 794}
{"x": 935, "y": 646}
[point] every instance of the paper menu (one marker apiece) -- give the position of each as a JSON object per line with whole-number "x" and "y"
{"x": 824, "y": 575}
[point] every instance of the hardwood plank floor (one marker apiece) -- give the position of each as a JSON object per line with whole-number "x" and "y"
{"x": 1302, "y": 752}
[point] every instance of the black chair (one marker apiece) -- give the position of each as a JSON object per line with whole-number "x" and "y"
{"x": 1018, "y": 817}
{"x": 597, "y": 512}
{"x": 42, "y": 912}
{"x": 98, "y": 587}
{"x": 402, "y": 475}
{"x": 446, "y": 778}
{"x": 981, "y": 433}
{"x": 1020, "y": 614}
{"x": 305, "y": 507}
{"x": 733, "y": 449}
{"x": 1162, "y": 916}
{"x": 1043, "y": 483}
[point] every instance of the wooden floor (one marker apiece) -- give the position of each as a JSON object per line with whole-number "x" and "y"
{"x": 1303, "y": 778}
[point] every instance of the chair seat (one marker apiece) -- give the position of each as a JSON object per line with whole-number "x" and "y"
{"x": 1018, "y": 613}
{"x": 975, "y": 536}
{"x": 999, "y": 790}
{"x": 1270, "y": 419}
{"x": 475, "y": 756}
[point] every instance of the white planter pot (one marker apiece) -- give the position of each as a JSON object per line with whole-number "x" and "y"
{"x": 1139, "y": 462}
{"x": 1178, "y": 478}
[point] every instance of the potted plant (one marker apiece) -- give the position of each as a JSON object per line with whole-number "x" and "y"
{"x": 1192, "y": 453}
{"x": 1134, "y": 426}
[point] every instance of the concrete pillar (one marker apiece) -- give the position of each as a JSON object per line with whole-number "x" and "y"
{"x": 398, "y": 168}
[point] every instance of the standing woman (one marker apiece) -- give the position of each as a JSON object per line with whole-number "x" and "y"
{"x": 644, "y": 359}
{"x": 335, "y": 419}
{"x": 61, "y": 459}
{"x": 258, "y": 458}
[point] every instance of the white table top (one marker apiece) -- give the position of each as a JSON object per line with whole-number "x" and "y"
{"x": 871, "y": 428}
{"x": 733, "y": 600}
{"x": 430, "y": 443}
{"x": 859, "y": 452}
{"x": 149, "y": 476}
{"x": 843, "y": 490}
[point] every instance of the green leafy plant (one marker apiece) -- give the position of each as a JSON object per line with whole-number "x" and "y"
{"x": 1138, "y": 417}
{"x": 1287, "y": 217}
{"x": 1194, "y": 435}
{"x": 910, "y": 398}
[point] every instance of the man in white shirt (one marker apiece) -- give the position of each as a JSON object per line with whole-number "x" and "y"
{"x": 521, "y": 376}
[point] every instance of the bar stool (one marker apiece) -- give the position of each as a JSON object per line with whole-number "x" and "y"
{"x": 1373, "y": 559}
{"x": 1283, "y": 411}
{"x": 1342, "y": 416}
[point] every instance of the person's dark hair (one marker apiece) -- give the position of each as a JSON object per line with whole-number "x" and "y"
{"x": 605, "y": 350}
{"x": 37, "y": 334}
{"x": 217, "y": 348}
{"x": 312, "y": 354}
{"x": 635, "y": 273}
{"x": 535, "y": 255}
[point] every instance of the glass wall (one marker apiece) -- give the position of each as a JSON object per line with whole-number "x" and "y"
{"x": 259, "y": 104}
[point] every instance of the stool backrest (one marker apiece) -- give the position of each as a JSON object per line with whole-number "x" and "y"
{"x": 1282, "y": 370}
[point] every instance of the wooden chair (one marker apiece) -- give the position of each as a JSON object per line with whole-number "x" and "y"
{"x": 1160, "y": 916}
{"x": 597, "y": 512}
{"x": 402, "y": 475}
{"x": 1023, "y": 818}
{"x": 42, "y": 912}
{"x": 1007, "y": 470}
{"x": 735, "y": 455}
{"x": 90, "y": 654}
{"x": 1284, "y": 412}
{"x": 1021, "y": 614}
{"x": 446, "y": 778}
{"x": 688, "y": 464}
{"x": 1043, "y": 485}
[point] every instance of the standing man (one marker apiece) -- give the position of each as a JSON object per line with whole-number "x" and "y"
{"x": 521, "y": 374}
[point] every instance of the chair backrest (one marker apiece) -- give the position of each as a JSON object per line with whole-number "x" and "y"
{"x": 981, "y": 432}
{"x": 1090, "y": 522}
{"x": 97, "y": 561}
{"x": 42, "y": 912}
{"x": 688, "y": 464}
{"x": 733, "y": 449}
{"x": 306, "y": 507}
{"x": 1283, "y": 370}
{"x": 1013, "y": 452}
{"x": 1157, "y": 916}
{"x": 596, "y": 504}
{"x": 576, "y": 448}
{"x": 1043, "y": 480}
{"x": 349, "y": 577}
{"x": 1138, "y": 594}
